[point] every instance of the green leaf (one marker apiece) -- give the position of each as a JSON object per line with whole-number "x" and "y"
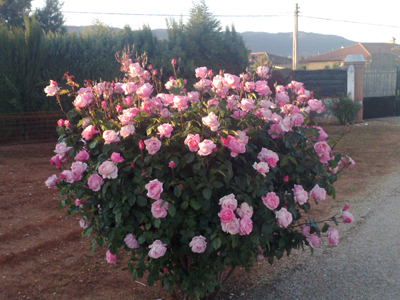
{"x": 184, "y": 205}
{"x": 194, "y": 204}
{"x": 189, "y": 157}
{"x": 235, "y": 240}
{"x": 325, "y": 228}
{"x": 171, "y": 209}
{"x": 216, "y": 243}
{"x": 177, "y": 191}
{"x": 141, "y": 201}
{"x": 157, "y": 222}
{"x": 207, "y": 193}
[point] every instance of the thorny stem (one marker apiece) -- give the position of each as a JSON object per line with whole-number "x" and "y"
{"x": 341, "y": 136}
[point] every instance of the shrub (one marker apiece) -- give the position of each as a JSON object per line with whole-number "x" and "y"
{"x": 345, "y": 110}
{"x": 193, "y": 182}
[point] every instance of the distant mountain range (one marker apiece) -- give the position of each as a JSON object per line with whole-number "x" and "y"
{"x": 278, "y": 43}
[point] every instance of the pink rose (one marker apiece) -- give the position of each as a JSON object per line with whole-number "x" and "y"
{"x": 316, "y": 105}
{"x": 171, "y": 164}
{"x": 180, "y": 103}
{"x": 157, "y": 249}
{"x": 78, "y": 168}
{"x": 228, "y": 202}
{"x": 62, "y": 149}
{"x": 305, "y": 230}
{"x": 192, "y": 141}
{"x": 193, "y": 97}
{"x": 211, "y": 121}
{"x": 83, "y": 223}
{"x": 318, "y": 193}
{"x": 144, "y": 90}
{"x": 269, "y": 157}
{"x": 80, "y": 101}
{"x": 323, "y": 151}
{"x": 108, "y": 170}
{"x": 232, "y": 227}
{"x": 226, "y": 215}
{"x": 300, "y": 195}
{"x": 275, "y": 131}
{"x": 127, "y": 130}
{"x": 282, "y": 97}
{"x": 154, "y": 189}
{"x": 78, "y": 202}
{"x": 60, "y": 123}
{"x": 198, "y": 244}
{"x": 82, "y": 155}
{"x": 165, "y": 113}
{"x": 131, "y": 242}
{"x": 88, "y": 132}
{"x": 245, "y": 210}
{"x": 116, "y": 157}
{"x": 152, "y": 145}
{"x": 206, "y": 147}
{"x": 111, "y": 258}
{"x": 262, "y": 71}
{"x": 68, "y": 176}
{"x": 284, "y": 217}
{"x": 270, "y": 200}
{"x": 285, "y": 124}
{"x": 51, "y": 181}
{"x": 247, "y": 105}
{"x": 237, "y": 114}
{"x": 56, "y": 160}
{"x": 322, "y": 134}
{"x": 232, "y": 80}
{"x": 347, "y": 161}
{"x": 249, "y": 86}
{"x": 159, "y": 211}
{"x": 296, "y": 119}
{"x": 95, "y": 182}
{"x": 313, "y": 240}
{"x": 51, "y": 89}
{"x": 347, "y": 217}
{"x": 201, "y": 72}
{"x": 128, "y": 101}
{"x": 129, "y": 87}
{"x": 135, "y": 70}
{"x": 165, "y": 130}
{"x": 333, "y": 236}
{"x": 261, "y": 168}
{"x": 237, "y": 145}
{"x": 110, "y": 136}
{"x": 246, "y": 226}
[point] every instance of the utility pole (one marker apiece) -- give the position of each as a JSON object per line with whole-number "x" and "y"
{"x": 294, "y": 58}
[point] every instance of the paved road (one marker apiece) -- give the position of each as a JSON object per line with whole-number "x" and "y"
{"x": 365, "y": 264}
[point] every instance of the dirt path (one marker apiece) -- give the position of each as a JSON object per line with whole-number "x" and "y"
{"x": 43, "y": 257}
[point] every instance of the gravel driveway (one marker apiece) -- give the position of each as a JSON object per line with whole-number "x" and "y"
{"x": 365, "y": 264}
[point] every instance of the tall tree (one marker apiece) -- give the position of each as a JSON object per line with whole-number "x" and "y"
{"x": 12, "y": 12}
{"x": 50, "y": 17}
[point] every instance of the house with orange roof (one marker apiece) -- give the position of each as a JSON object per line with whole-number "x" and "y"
{"x": 335, "y": 58}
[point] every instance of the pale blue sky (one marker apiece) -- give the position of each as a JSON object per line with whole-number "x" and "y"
{"x": 383, "y": 12}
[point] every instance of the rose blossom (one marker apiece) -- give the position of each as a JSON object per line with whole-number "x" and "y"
{"x": 128, "y": 101}
{"x": 78, "y": 168}
{"x": 236, "y": 145}
{"x": 245, "y": 210}
{"x": 165, "y": 113}
{"x": 228, "y": 201}
{"x": 318, "y": 193}
{"x": 158, "y": 249}
{"x": 316, "y": 105}
{"x": 247, "y": 105}
{"x": 333, "y": 236}
{"x": 284, "y": 217}
{"x": 127, "y": 130}
{"x": 144, "y": 90}
{"x": 323, "y": 151}
{"x": 198, "y": 244}
{"x": 193, "y": 97}
{"x": 154, "y": 189}
{"x": 60, "y": 123}
{"x": 131, "y": 242}
{"x": 88, "y": 132}
{"x": 165, "y": 130}
{"x": 51, "y": 181}
{"x": 159, "y": 211}
{"x": 275, "y": 131}
{"x": 313, "y": 240}
{"x": 270, "y": 200}
{"x": 300, "y": 195}
{"x": 180, "y": 103}
{"x": 152, "y": 145}
{"x": 68, "y": 176}
{"x": 347, "y": 217}
{"x": 82, "y": 155}
{"x": 268, "y": 156}
{"x": 211, "y": 121}
{"x": 246, "y": 226}
{"x": 226, "y": 215}
{"x": 108, "y": 170}
{"x": 116, "y": 157}
{"x": 201, "y": 72}
{"x": 232, "y": 227}
{"x": 351, "y": 163}
{"x": 95, "y": 182}
{"x": 83, "y": 223}
{"x": 61, "y": 149}
{"x": 171, "y": 164}
{"x": 110, "y": 136}
{"x": 206, "y": 147}
{"x": 305, "y": 230}
{"x": 111, "y": 258}
{"x": 129, "y": 87}
{"x": 51, "y": 89}
{"x": 262, "y": 168}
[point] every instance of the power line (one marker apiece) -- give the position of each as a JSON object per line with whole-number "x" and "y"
{"x": 347, "y": 21}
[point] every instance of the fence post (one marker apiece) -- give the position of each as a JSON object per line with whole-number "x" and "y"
{"x": 350, "y": 82}
{"x": 356, "y": 87}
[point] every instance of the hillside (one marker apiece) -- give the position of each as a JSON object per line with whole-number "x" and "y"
{"x": 277, "y": 43}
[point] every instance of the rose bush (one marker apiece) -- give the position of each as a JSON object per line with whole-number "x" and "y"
{"x": 193, "y": 182}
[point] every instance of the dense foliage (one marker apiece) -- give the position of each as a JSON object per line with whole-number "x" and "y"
{"x": 193, "y": 182}
{"x": 345, "y": 110}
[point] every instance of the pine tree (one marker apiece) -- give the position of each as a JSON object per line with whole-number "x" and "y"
{"x": 50, "y": 17}
{"x": 12, "y": 12}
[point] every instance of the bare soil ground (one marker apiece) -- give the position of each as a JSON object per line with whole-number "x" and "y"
{"x": 44, "y": 257}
